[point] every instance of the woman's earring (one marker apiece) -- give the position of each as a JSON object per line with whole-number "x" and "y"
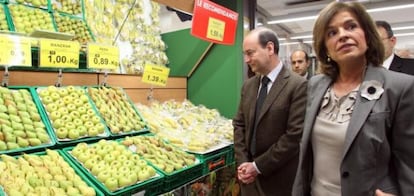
{"x": 328, "y": 59}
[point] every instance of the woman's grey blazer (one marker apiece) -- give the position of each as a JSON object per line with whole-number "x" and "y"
{"x": 378, "y": 151}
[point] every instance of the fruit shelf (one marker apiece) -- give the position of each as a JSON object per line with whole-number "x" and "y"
{"x": 118, "y": 111}
{"x": 24, "y": 127}
{"x": 152, "y": 185}
{"x": 71, "y": 115}
{"x": 159, "y": 154}
{"x": 50, "y": 161}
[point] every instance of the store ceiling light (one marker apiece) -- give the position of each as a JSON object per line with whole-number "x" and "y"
{"x": 388, "y": 8}
{"x": 403, "y": 34}
{"x": 402, "y": 28}
{"x": 296, "y": 18}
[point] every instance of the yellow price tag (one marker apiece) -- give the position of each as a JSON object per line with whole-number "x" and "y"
{"x": 15, "y": 50}
{"x": 154, "y": 74}
{"x": 103, "y": 57}
{"x": 59, "y": 53}
{"x": 215, "y": 29}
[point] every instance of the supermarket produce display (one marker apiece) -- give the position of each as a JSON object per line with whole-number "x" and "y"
{"x": 93, "y": 140}
{"x": 91, "y": 160}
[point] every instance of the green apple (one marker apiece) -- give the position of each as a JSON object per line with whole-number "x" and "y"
{"x": 68, "y": 99}
{"x": 93, "y": 131}
{"x": 62, "y": 132}
{"x": 144, "y": 174}
{"x": 55, "y": 96}
{"x": 47, "y": 100}
{"x": 55, "y": 115}
{"x": 73, "y": 134}
{"x": 71, "y": 107}
{"x": 51, "y": 107}
{"x": 78, "y": 103}
{"x": 88, "y": 124}
{"x": 111, "y": 184}
{"x": 58, "y": 123}
{"x": 63, "y": 92}
{"x": 103, "y": 176}
{"x": 98, "y": 168}
{"x": 90, "y": 163}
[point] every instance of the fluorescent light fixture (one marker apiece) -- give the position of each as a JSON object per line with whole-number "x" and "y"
{"x": 403, "y": 34}
{"x": 302, "y": 37}
{"x": 282, "y": 39}
{"x": 402, "y": 28}
{"x": 397, "y": 7}
{"x": 292, "y": 19}
{"x": 259, "y": 24}
{"x": 289, "y": 43}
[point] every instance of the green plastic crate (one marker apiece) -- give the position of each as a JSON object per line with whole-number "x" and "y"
{"x": 77, "y": 171}
{"x": 152, "y": 186}
{"x": 66, "y": 142}
{"x": 28, "y": 8}
{"x": 179, "y": 177}
{"x": 144, "y": 130}
{"x": 43, "y": 119}
{"x": 216, "y": 159}
{"x": 6, "y": 16}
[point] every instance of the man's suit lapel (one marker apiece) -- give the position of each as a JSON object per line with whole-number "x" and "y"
{"x": 362, "y": 109}
{"x": 274, "y": 92}
{"x": 253, "y": 93}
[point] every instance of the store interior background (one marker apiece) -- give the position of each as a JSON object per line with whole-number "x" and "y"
{"x": 217, "y": 80}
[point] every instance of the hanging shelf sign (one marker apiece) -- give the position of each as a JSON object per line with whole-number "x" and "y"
{"x": 59, "y": 53}
{"x": 155, "y": 74}
{"x": 214, "y": 23}
{"x": 103, "y": 57}
{"x": 15, "y": 50}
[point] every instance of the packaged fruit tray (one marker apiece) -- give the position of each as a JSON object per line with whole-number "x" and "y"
{"x": 117, "y": 110}
{"x": 22, "y": 123}
{"x": 72, "y": 116}
{"x": 43, "y": 4}
{"x": 5, "y": 22}
{"x": 178, "y": 166}
{"x": 42, "y": 172}
{"x": 27, "y": 19}
{"x": 114, "y": 169}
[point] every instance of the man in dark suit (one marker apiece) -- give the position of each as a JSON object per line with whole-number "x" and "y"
{"x": 392, "y": 61}
{"x": 300, "y": 62}
{"x": 267, "y": 133}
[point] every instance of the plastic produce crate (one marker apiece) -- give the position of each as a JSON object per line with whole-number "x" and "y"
{"x": 65, "y": 22}
{"x": 177, "y": 177}
{"x": 151, "y": 186}
{"x": 118, "y": 98}
{"x": 19, "y": 17}
{"x": 216, "y": 159}
{"x": 77, "y": 172}
{"x": 62, "y": 118}
{"x": 31, "y": 128}
{"x": 5, "y": 18}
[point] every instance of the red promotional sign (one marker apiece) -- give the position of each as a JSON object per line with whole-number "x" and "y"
{"x": 213, "y": 22}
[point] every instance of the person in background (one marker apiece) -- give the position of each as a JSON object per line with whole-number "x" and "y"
{"x": 300, "y": 63}
{"x": 359, "y": 130}
{"x": 392, "y": 61}
{"x": 269, "y": 120}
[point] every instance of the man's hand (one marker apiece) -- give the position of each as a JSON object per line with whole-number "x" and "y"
{"x": 246, "y": 172}
{"x": 380, "y": 193}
